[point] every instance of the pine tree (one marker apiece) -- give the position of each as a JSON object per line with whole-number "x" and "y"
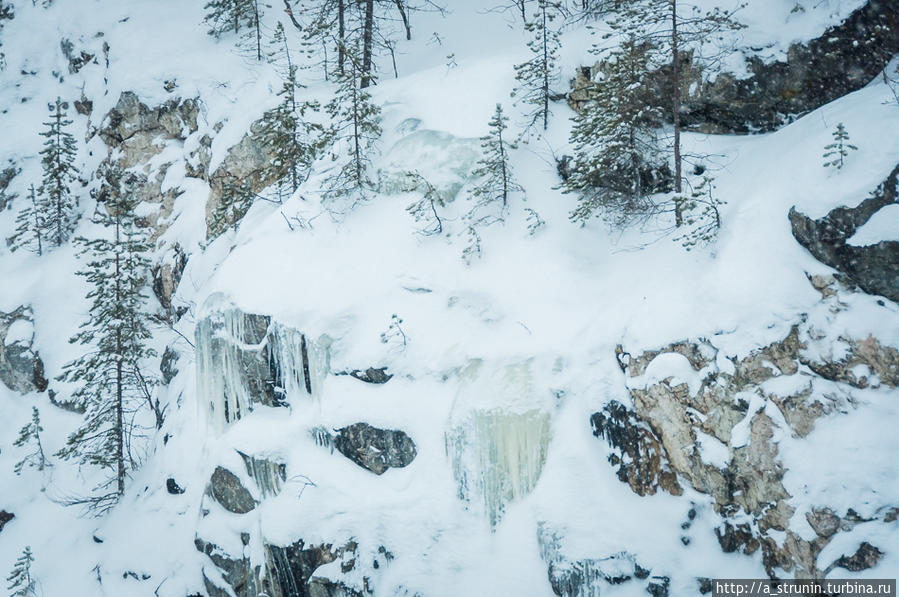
{"x": 29, "y": 227}
{"x": 111, "y": 384}
{"x": 31, "y": 433}
{"x": 670, "y": 27}
{"x": 536, "y": 76}
{"x": 233, "y": 15}
{"x": 839, "y": 149}
{"x": 287, "y": 135}
{"x": 355, "y": 129}
{"x": 236, "y": 200}
{"x": 701, "y": 213}
{"x": 424, "y": 210}
{"x": 6, "y": 14}
{"x": 496, "y": 183}
{"x": 55, "y": 200}
{"x": 21, "y": 582}
{"x": 617, "y": 162}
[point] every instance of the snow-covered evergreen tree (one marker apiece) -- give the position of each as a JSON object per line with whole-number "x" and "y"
{"x": 292, "y": 141}
{"x": 6, "y": 14}
{"x": 355, "y": 129}
{"x": 494, "y": 184}
{"x": 670, "y": 27}
{"x": 29, "y": 226}
{"x": 21, "y": 582}
{"x": 31, "y": 434}
{"x": 617, "y": 161}
{"x": 536, "y": 76}
{"x": 839, "y": 149}
{"x": 701, "y": 214}
{"x": 236, "y": 200}
{"x": 223, "y": 16}
{"x": 424, "y": 209}
{"x": 112, "y": 385}
{"x": 55, "y": 199}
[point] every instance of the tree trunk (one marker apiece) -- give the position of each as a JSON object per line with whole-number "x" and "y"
{"x": 545, "y": 72}
{"x": 675, "y": 97}
{"x": 400, "y": 7}
{"x": 357, "y": 151}
{"x": 367, "y": 34}
{"x": 341, "y": 36}
{"x": 258, "y": 32}
{"x": 120, "y": 423}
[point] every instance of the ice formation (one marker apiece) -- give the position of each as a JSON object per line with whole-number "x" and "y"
{"x": 497, "y": 457}
{"x": 245, "y": 359}
{"x": 269, "y": 475}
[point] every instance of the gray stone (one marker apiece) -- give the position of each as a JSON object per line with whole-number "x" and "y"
{"x": 866, "y": 556}
{"x": 227, "y": 490}
{"x": 168, "y": 365}
{"x": 375, "y": 449}
{"x": 21, "y": 369}
{"x": 874, "y": 268}
{"x": 372, "y": 375}
{"x": 5, "y": 517}
{"x": 843, "y": 59}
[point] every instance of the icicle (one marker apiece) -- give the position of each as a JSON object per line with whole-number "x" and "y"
{"x": 497, "y": 456}
{"x": 269, "y": 475}
{"x": 245, "y": 359}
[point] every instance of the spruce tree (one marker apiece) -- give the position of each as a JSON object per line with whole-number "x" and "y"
{"x": 236, "y": 200}
{"x": 424, "y": 210}
{"x": 31, "y": 434}
{"x": 234, "y": 15}
{"x": 29, "y": 226}
{"x": 288, "y": 137}
{"x": 839, "y": 149}
{"x": 495, "y": 182}
{"x": 672, "y": 27}
{"x": 6, "y": 14}
{"x": 355, "y": 129}
{"x": 55, "y": 199}
{"x": 701, "y": 214}
{"x": 536, "y": 76}
{"x": 617, "y": 162}
{"x": 21, "y": 582}
{"x": 111, "y": 383}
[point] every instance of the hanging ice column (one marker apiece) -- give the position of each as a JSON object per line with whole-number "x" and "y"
{"x": 245, "y": 359}
{"x": 498, "y": 437}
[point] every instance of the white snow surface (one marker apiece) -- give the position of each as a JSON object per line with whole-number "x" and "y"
{"x": 559, "y": 301}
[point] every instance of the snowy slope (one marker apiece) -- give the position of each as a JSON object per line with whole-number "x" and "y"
{"x": 540, "y": 316}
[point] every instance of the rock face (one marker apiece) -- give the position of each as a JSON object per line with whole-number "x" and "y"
{"x": 21, "y": 369}
{"x": 227, "y": 490}
{"x": 5, "y": 517}
{"x": 874, "y": 268}
{"x": 6, "y": 176}
{"x": 709, "y": 421}
{"x": 375, "y": 449}
{"x": 845, "y": 58}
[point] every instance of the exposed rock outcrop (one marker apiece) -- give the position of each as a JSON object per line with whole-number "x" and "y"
{"x": 845, "y": 58}
{"x": 375, "y": 449}
{"x": 874, "y": 268}
{"x": 225, "y": 487}
{"x": 5, "y": 517}
{"x": 21, "y": 368}
{"x": 710, "y": 421}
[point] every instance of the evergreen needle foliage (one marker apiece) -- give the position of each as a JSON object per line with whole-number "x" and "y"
{"x": 701, "y": 214}
{"x": 31, "y": 434}
{"x": 29, "y": 226}
{"x": 495, "y": 183}
{"x": 236, "y": 200}
{"x": 7, "y": 13}
{"x": 355, "y": 129}
{"x": 424, "y": 210}
{"x": 21, "y": 582}
{"x": 839, "y": 149}
{"x": 617, "y": 161}
{"x": 112, "y": 387}
{"x": 56, "y": 203}
{"x": 536, "y": 76}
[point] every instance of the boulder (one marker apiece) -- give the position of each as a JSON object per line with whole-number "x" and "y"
{"x": 875, "y": 268}
{"x": 21, "y": 369}
{"x": 227, "y": 490}
{"x": 375, "y": 449}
